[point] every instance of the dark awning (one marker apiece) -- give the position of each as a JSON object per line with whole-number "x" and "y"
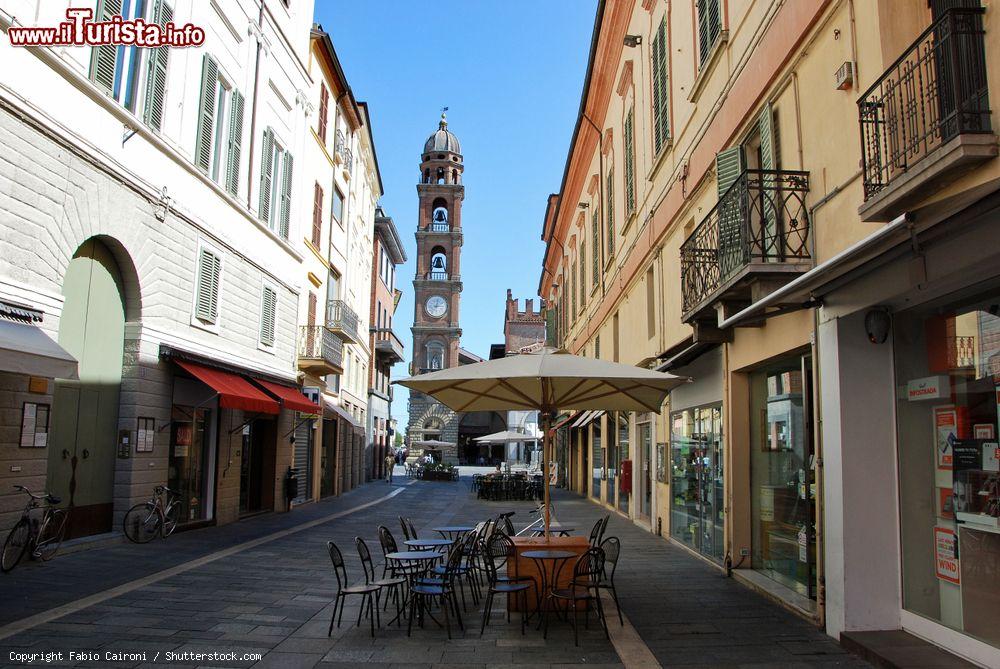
{"x": 290, "y": 398}
{"x": 234, "y": 391}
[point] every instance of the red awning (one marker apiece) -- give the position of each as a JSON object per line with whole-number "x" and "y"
{"x": 235, "y": 392}
{"x": 290, "y": 398}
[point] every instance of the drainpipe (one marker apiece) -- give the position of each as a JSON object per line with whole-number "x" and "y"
{"x": 820, "y": 487}
{"x": 253, "y": 106}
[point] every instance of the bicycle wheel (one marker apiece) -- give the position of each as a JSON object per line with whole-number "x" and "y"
{"x": 141, "y": 523}
{"x": 51, "y": 535}
{"x": 170, "y": 517}
{"x": 15, "y": 545}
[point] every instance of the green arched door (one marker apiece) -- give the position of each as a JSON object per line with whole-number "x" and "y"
{"x": 85, "y": 412}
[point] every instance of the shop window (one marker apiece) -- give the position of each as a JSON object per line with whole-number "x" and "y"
{"x": 697, "y": 506}
{"x": 597, "y": 458}
{"x": 947, "y": 362}
{"x": 624, "y": 458}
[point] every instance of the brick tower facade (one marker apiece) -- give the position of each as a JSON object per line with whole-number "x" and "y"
{"x": 523, "y": 331}
{"x": 437, "y": 285}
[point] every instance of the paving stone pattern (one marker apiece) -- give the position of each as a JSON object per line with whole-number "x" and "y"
{"x": 276, "y": 598}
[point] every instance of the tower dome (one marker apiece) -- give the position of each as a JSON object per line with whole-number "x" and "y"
{"x": 442, "y": 139}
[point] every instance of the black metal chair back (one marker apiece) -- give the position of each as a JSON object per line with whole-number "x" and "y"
{"x": 612, "y": 548}
{"x": 406, "y": 530}
{"x": 604, "y": 528}
{"x": 339, "y": 568}
{"x": 366, "y": 560}
{"x": 387, "y": 541}
{"x": 500, "y": 549}
{"x": 413, "y": 530}
{"x": 597, "y": 532}
{"x": 589, "y": 568}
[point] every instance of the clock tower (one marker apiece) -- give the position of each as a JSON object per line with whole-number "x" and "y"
{"x": 437, "y": 286}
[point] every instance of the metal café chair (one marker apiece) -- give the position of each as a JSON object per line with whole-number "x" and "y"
{"x": 424, "y": 593}
{"x": 366, "y": 592}
{"x": 583, "y": 588}
{"x": 612, "y": 548}
{"x": 392, "y": 585}
{"x": 498, "y": 585}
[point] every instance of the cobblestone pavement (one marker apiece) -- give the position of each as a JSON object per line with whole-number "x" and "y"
{"x": 265, "y": 586}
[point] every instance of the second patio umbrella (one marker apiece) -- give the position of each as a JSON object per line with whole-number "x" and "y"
{"x": 547, "y": 381}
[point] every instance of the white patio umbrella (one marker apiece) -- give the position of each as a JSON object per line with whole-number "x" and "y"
{"x": 547, "y": 381}
{"x": 433, "y": 443}
{"x": 506, "y": 437}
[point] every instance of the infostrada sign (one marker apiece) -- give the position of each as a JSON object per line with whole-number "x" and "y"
{"x": 79, "y": 29}
{"x": 928, "y": 388}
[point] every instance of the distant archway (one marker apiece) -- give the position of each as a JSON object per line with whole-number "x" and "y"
{"x": 480, "y": 424}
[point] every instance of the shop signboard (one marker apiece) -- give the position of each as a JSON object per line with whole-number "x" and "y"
{"x": 929, "y": 388}
{"x": 946, "y": 555}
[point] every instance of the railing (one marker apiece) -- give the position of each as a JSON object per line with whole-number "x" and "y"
{"x": 933, "y": 93}
{"x": 762, "y": 218}
{"x": 386, "y": 341}
{"x": 341, "y": 319}
{"x": 348, "y": 160}
{"x": 339, "y": 144}
{"x": 440, "y": 227}
{"x": 436, "y": 276}
{"x": 318, "y": 343}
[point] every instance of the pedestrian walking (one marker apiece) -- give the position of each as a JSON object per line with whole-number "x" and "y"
{"x": 390, "y": 463}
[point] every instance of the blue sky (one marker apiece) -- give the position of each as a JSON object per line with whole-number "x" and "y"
{"x": 511, "y": 73}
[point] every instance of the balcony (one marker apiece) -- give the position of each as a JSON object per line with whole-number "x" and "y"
{"x": 320, "y": 351}
{"x": 754, "y": 240}
{"x": 342, "y": 321}
{"x": 439, "y": 227}
{"x": 348, "y": 162}
{"x": 388, "y": 344}
{"x": 339, "y": 144}
{"x": 436, "y": 276}
{"x": 926, "y": 120}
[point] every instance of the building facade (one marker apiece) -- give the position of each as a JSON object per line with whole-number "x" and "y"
{"x": 836, "y": 322}
{"x": 160, "y": 247}
{"x": 385, "y": 346}
{"x": 437, "y": 284}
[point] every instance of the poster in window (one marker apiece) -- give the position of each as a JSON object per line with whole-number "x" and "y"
{"x": 946, "y": 555}
{"x": 949, "y": 426}
{"x": 946, "y": 507}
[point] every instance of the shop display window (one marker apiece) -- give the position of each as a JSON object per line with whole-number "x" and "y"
{"x": 597, "y": 459}
{"x": 188, "y": 466}
{"x": 697, "y": 506}
{"x": 947, "y": 366}
{"x": 625, "y": 467}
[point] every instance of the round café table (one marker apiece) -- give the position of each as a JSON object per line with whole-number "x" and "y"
{"x": 554, "y": 528}
{"x": 453, "y": 532}
{"x": 549, "y": 564}
{"x": 428, "y": 543}
{"x": 423, "y": 560}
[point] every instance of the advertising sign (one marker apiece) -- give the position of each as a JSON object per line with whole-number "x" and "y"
{"x": 945, "y": 555}
{"x": 929, "y": 388}
{"x": 945, "y": 434}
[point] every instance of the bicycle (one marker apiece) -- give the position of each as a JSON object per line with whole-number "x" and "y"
{"x": 144, "y": 520}
{"x": 42, "y": 535}
{"x": 538, "y": 522}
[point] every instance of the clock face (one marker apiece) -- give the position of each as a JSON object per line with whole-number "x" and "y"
{"x": 436, "y": 306}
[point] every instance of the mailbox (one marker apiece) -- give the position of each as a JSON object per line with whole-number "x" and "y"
{"x": 625, "y": 477}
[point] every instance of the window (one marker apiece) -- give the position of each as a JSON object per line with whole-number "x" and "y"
{"x": 337, "y": 206}
{"x": 595, "y": 238}
{"x": 118, "y": 69}
{"x": 573, "y": 310}
{"x": 709, "y": 28}
{"x": 333, "y": 286}
{"x": 614, "y": 338}
{"x": 661, "y": 107}
{"x": 324, "y": 101}
{"x": 597, "y": 347}
{"x": 206, "y": 308}
{"x": 435, "y": 355}
{"x": 650, "y": 304}
{"x": 629, "y": 165}
{"x": 611, "y": 213}
{"x": 275, "y": 185}
{"x": 220, "y": 127}
{"x": 581, "y": 259}
{"x": 268, "y": 309}
{"x": 317, "y": 226}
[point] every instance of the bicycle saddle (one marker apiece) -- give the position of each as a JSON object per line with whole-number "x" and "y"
{"x": 52, "y": 499}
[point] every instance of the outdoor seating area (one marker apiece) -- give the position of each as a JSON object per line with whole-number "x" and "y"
{"x": 450, "y": 576}
{"x": 500, "y": 487}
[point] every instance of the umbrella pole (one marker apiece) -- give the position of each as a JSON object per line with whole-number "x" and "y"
{"x": 546, "y": 445}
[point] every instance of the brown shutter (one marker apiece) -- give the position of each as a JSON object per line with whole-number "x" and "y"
{"x": 311, "y": 317}
{"x": 324, "y": 98}
{"x": 317, "y": 232}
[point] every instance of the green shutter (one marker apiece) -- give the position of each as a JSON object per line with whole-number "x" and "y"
{"x": 573, "y": 310}
{"x": 611, "y": 213}
{"x": 582, "y": 258}
{"x": 596, "y": 252}
{"x": 768, "y": 161}
{"x": 266, "y": 176}
{"x": 268, "y": 310}
{"x": 286, "y": 196}
{"x": 206, "y": 113}
{"x": 729, "y": 165}
{"x": 235, "y": 143}
{"x": 104, "y": 57}
{"x": 661, "y": 107}
{"x": 156, "y": 77}
{"x": 629, "y": 164}
{"x": 207, "y": 290}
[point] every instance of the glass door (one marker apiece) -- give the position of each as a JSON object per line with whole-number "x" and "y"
{"x": 188, "y": 467}
{"x": 624, "y": 481}
{"x": 597, "y": 474}
{"x": 697, "y": 508}
{"x": 645, "y": 433}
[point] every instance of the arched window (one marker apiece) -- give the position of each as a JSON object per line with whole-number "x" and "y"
{"x": 440, "y": 175}
{"x": 454, "y": 176}
{"x": 435, "y": 355}
{"x": 439, "y": 215}
{"x": 427, "y": 175}
{"x": 439, "y": 264}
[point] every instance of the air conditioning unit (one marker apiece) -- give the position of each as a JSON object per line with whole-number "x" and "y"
{"x": 845, "y": 76}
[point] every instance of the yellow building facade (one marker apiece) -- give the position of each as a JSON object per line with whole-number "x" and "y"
{"x": 757, "y": 195}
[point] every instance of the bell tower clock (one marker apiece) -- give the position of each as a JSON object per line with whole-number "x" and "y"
{"x": 437, "y": 286}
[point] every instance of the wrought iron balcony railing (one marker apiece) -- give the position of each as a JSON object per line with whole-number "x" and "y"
{"x": 339, "y": 144}
{"x": 933, "y": 93}
{"x": 348, "y": 161}
{"x": 320, "y": 350}
{"x": 759, "y": 223}
{"x": 343, "y": 321}
{"x": 387, "y": 343}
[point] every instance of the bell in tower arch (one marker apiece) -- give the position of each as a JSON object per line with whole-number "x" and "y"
{"x": 440, "y": 216}
{"x": 437, "y": 264}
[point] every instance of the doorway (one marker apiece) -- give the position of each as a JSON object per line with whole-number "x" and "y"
{"x": 645, "y": 491}
{"x": 81, "y": 458}
{"x": 257, "y": 467}
{"x": 697, "y": 508}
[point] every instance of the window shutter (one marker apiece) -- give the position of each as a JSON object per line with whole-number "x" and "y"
{"x": 583, "y": 271}
{"x": 207, "y": 298}
{"x": 311, "y": 314}
{"x": 611, "y": 213}
{"x": 206, "y": 113}
{"x": 104, "y": 57}
{"x": 317, "y": 230}
{"x": 286, "y": 196}
{"x": 268, "y": 309}
{"x": 573, "y": 311}
{"x": 661, "y": 111}
{"x": 768, "y": 161}
{"x": 156, "y": 78}
{"x": 324, "y": 100}
{"x": 266, "y": 176}
{"x": 235, "y": 143}
{"x": 629, "y": 165}
{"x": 596, "y": 252}
{"x": 729, "y": 165}
{"x": 709, "y": 27}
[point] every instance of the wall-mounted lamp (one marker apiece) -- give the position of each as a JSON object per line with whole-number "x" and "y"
{"x": 877, "y": 325}
{"x": 632, "y": 40}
